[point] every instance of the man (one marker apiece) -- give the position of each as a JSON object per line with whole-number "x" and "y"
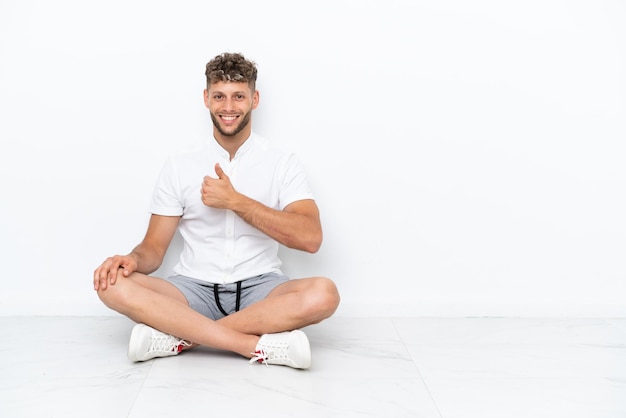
{"x": 234, "y": 199}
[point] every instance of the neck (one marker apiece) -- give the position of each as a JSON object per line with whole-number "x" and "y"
{"x": 232, "y": 143}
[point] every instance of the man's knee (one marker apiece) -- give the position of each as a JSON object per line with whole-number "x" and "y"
{"x": 323, "y": 298}
{"x": 115, "y": 296}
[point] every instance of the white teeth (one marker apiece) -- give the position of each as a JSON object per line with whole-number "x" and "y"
{"x": 229, "y": 118}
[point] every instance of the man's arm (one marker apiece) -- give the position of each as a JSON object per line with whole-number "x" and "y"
{"x": 149, "y": 254}
{"x": 144, "y": 258}
{"x": 298, "y": 226}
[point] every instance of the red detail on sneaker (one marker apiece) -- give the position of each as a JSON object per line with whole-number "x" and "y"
{"x": 179, "y": 348}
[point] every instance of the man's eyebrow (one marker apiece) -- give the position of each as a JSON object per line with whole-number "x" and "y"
{"x": 224, "y": 94}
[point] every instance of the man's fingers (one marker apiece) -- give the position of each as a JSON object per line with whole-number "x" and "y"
{"x": 220, "y": 173}
{"x": 107, "y": 273}
{"x": 100, "y": 279}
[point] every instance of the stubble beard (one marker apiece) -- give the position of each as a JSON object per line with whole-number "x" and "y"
{"x": 244, "y": 122}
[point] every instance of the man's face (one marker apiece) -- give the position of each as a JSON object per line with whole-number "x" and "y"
{"x": 231, "y": 104}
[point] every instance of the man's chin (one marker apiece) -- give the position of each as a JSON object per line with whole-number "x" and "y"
{"x": 232, "y": 130}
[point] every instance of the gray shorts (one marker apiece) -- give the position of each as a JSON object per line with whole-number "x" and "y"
{"x": 219, "y": 300}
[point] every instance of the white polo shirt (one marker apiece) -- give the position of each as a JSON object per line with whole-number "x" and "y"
{"x": 219, "y": 247}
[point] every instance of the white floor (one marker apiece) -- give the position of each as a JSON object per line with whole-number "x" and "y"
{"x": 362, "y": 367}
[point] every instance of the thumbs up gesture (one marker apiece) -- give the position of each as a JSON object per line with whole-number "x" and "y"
{"x": 217, "y": 192}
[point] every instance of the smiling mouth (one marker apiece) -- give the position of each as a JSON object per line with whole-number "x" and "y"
{"x": 228, "y": 118}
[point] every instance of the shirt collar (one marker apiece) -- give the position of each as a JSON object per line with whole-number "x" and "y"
{"x": 242, "y": 149}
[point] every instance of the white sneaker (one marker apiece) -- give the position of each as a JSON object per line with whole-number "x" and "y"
{"x": 285, "y": 348}
{"x": 147, "y": 343}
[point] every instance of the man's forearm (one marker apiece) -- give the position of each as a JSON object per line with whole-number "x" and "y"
{"x": 147, "y": 260}
{"x": 294, "y": 230}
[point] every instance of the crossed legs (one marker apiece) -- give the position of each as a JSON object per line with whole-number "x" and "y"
{"x": 160, "y": 305}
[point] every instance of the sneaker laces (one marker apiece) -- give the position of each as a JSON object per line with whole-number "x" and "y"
{"x": 260, "y": 356}
{"x": 164, "y": 343}
{"x": 275, "y": 352}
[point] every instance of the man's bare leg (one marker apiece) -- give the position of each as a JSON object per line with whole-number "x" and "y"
{"x": 291, "y": 305}
{"x": 160, "y": 305}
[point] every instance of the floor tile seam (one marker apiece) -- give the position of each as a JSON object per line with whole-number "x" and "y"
{"x": 466, "y": 376}
{"x": 139, "y": 391}
{"x": 429, "y": 377}
{"x": 505, "y": 373}
{"x": 516, "y": 344}
{"x": 417, "y": 369}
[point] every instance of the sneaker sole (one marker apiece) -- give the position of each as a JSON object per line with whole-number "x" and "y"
{"x": 134, "y": 341}
{"x": 305, "y": 362}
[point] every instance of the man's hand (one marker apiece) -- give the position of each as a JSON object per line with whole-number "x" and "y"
{"x": 217, "y": 193}
{"x": 106, "y": 274}
{"x": 296, "y": 226}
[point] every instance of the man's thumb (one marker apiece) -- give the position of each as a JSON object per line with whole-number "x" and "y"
{"x": 218, "y": 170}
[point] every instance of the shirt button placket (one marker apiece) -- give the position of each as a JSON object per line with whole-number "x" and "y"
{"x": 229, "y": 235}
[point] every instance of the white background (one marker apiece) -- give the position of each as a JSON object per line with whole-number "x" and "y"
{"x": 468, "y": 156}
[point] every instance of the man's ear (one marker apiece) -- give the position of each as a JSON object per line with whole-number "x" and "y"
{"x": 206, "y": 97}
{"x": 255, "y": 99}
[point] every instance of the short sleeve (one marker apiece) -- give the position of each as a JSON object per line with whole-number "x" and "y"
{"x": 166, "y": 197}
{"x": 295, "y": 184}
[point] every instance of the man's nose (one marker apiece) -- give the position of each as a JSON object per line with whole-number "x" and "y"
{"x": 229, "y": 104}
